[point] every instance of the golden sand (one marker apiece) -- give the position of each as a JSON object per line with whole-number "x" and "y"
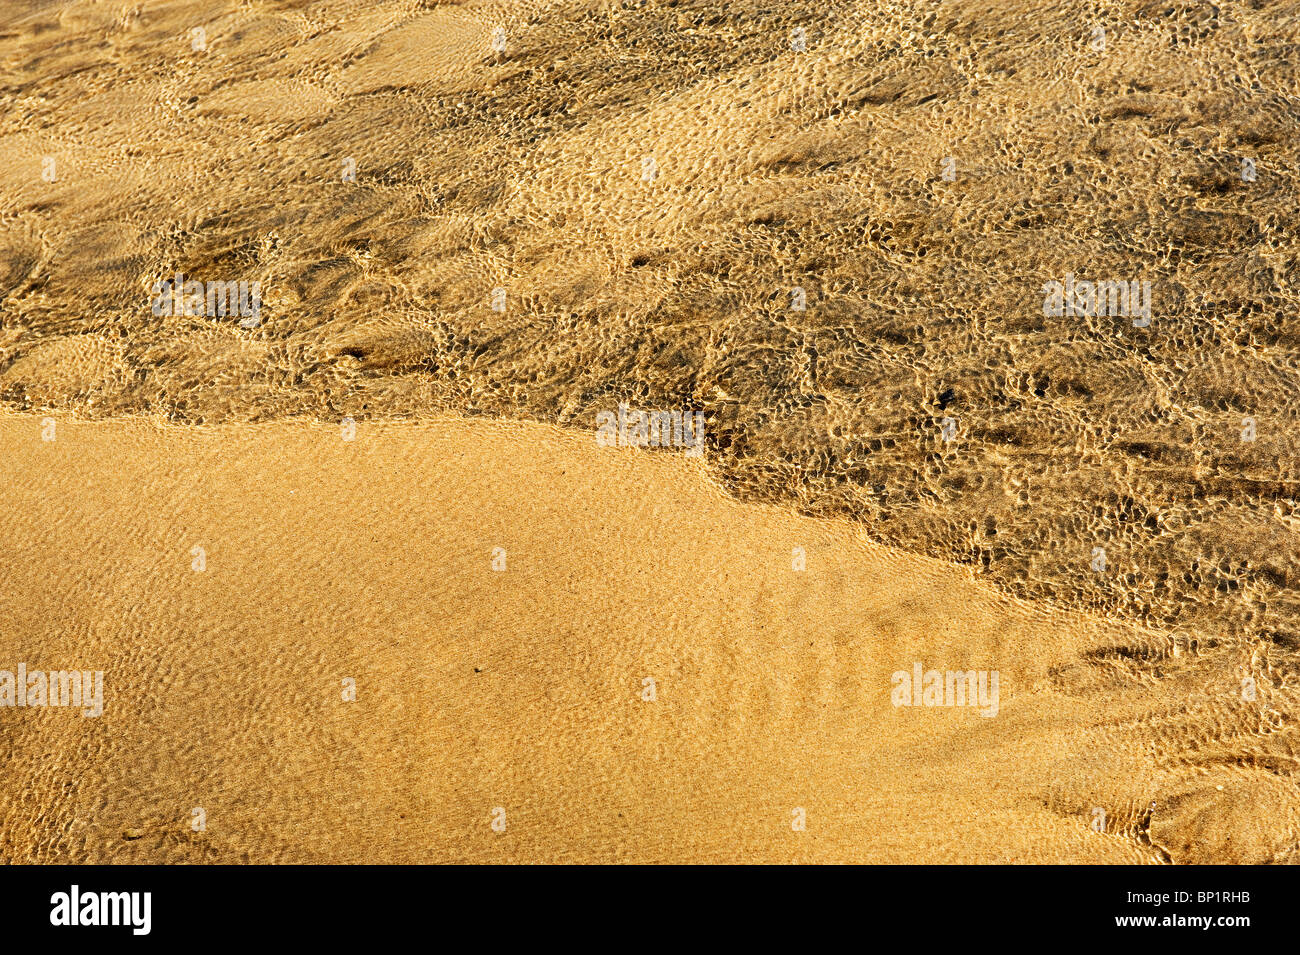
{"x": 920, "y": 169}
{"x": 826, "y": 227}
{"x": 523, "y": 689}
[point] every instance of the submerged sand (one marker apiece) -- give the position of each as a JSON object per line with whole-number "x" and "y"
{"x": 523, "y": 689}
{"x": 916, "y": 170}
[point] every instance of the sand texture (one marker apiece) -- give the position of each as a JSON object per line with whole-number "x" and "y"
{"x": 522, "y": 689}
{"x": 826, "y": 225}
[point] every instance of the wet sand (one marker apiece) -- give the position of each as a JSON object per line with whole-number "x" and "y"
{"x": 522, "y": 689}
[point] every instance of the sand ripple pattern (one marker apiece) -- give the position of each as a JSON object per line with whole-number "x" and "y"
{"x": 524, "y": 170}
{"x": 523, "y": 688}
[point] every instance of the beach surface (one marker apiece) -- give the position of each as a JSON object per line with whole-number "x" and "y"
{"x": 647, "y": 679}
